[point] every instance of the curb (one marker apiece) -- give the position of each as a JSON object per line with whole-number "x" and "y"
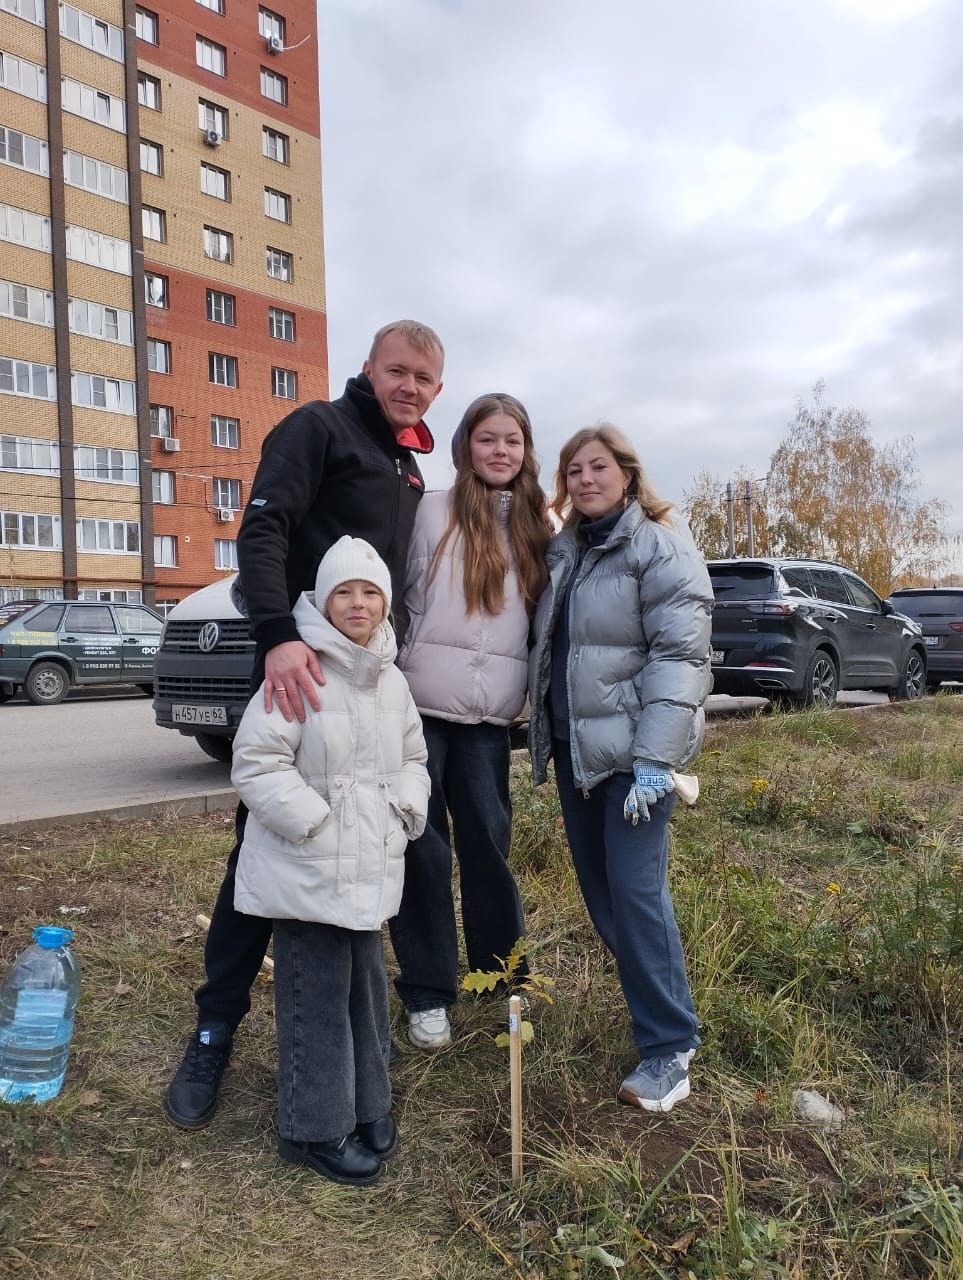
{"x": 173, "y": 807}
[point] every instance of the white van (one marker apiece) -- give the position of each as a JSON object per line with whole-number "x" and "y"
{"x": 202, "y": 671}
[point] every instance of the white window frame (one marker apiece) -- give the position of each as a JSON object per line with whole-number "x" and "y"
{"x": 225, "y": 431}
{"x": 25, "y": 302}
{"x": 27, "y": 378}
{"x": 23, "y": 151}
{"x": 218, "y": 244}
{"x": 210, "y": 56}
{"x": 270, "y": 25}
{"x": 148, "y": 91}
{"x": 106, "y": 465}
{"x": 227, "y": 493}
{"x": 30, "y": 455}
{"x": 221, "y": 307}
{"x": 162, "y": 487}
{"x": 151, "y": 157}
{"x": 106, "y": 534}
{"x": 275, "y": 145}
{"x": 154, "y": 223}
{"x": 90, "y": 174}
{"x": 146, "y": 25}
{"x": 22, "y": 226}
{"x": 29, "y": 10}
{"x": 215, "y": 181}
{"x": 22, "y": 76}
{"x": 165, "y": 551}
{"x": 284, "y": 383}
{"x": 277, "y": 205}
{"x": 215, "y": 6}
{"x": 97, "y": 106}
{"x": 158, "y": 355}
{"x": 211, "y": 115}
{"x": 280, "y": 264}
{"x": 97, "y": 320}
{"x": 27, "y": 525}
{"x": 156, "y": 290}
{"x": 93, "y": 33}
{"x": 98, "y": 250}
{"x": 281, "y": 324}
{"x": 274, "y": 86}
{"x": 225, "y": 553}
{"x": 221, "y": 369}
{"x": 161, "y": 421}
{"x": 107, "y": 395}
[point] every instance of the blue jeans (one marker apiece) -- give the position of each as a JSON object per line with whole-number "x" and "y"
{"x": 331, "y": 1008}
{"x": 468, "y": 765}
{"x": 622, "y": 870}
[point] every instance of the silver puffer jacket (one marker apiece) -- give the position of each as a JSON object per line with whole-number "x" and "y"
{"x": 638, "y": 662}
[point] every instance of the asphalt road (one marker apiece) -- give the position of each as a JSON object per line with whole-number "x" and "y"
{"x": 100, "y": 753}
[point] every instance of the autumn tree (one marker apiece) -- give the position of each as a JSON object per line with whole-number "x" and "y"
{"x": 706, "y": 508}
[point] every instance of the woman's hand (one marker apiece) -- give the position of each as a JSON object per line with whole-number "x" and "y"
{"x": 291, "y": 675}
{"x": 653, "y": 782}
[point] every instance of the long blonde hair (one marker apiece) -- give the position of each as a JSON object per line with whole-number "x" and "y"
{"x": 638, "y": 488}
{"x": 474, "y": 519}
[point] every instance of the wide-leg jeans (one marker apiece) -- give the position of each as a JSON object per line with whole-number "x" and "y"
{"x": 469, "y": 769}
{"x": 622, "y": 872}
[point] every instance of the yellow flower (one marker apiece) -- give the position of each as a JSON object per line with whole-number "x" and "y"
{"x": 760, "y": 785}
{"x": 833, "y": 887}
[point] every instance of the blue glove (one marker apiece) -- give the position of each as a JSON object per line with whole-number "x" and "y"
{"x": 652, "y": 782}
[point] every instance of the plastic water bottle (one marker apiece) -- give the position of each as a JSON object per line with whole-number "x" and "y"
{"x": 38, "y": 999}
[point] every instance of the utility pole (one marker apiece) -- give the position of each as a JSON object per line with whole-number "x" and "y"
{"x": 750, "y": 544}
{"x": 730, "y": 519}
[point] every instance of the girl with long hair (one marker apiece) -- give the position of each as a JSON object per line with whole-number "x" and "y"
{"x": 476, "y": 567}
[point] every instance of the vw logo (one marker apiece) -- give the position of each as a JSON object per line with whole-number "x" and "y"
{"x": 208, "y": 637}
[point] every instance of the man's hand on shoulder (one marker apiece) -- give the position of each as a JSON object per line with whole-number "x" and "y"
{"x": 292, "y": 675}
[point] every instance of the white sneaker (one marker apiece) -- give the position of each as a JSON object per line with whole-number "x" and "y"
{"x": 429, "y": 1028}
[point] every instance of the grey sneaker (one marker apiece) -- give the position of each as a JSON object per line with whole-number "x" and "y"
{"x": 429, "y": 1028}
{"x": 657, "y": 1084}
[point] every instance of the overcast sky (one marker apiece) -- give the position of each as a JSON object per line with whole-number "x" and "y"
{"x": 674, "y": 215}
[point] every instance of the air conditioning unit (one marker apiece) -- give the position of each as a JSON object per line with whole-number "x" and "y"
{"x": 275, "y": 44}
{"x": 170, "y": 444}
{"x": 213, "y": 137}
{"x": 225, "y": 515}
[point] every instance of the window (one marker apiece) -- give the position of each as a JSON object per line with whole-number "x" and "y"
{"x": 23, "y": 151}
{"x": 218, "y": 244}
{"x": 279, "y": 264}
{"x": 135, "y": 622}
{"x": 222, "y": 370}
{"x": 29, "y": 10}
{"x": 48, "y": 619}
{"x": 155, "y": 223}
{"x": 275, "y": 145}
{"x": 284, "y": 383}
{"x": 281, "y": 324}
{"x": 211, "y": 56}
{"x": 24, "y": 453}
{"x": 162, "y": 487}
{"x": 94, "y": 104}
{"x": 215, "y": 6}
{"x": 220, "y": 307}
{"x": 212, "y": 116}
{"x": 862, "y": 595}
{"x": 145, "y": 24}
{"x": 23, "y": 529}
{"x": 156, "y": 290}
{"x": 21, "y": 76}
{"x": 91, "y": 391}
{"x": 98, "y": 250}
{"x": 270, "y": 25}
{"x": 158, "y": 356}
{"x": 163, "y": 607}
{"x": 112, "y": 324}
{"x": 20, "y": 226}
{"x": 161, "y": 416}
{"x": 148, "y": 91}
{"x": 277, "y": 205}
{"x": 165, "y": 551}
{"x": 227, "y": 493}
{"x": 95, "y": 175}
{"x": 224, "y": 431}
{"x": 274, "y": 86}
{"x": 215, "y": 182}
{"x": 92, "y": 33}
{"x": 24, "y": 302}
{"x": 108, "y": 535}
{"x": 151, "y": 157}
{"x": 114, "y": 466}
{"x": 225, "y": 554}
{"x": 23, "y": 378}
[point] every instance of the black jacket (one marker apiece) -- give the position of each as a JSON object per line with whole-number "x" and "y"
{"x": 328, "y": 469}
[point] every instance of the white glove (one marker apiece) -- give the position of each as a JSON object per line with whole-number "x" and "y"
{"x": 652, "y": 782}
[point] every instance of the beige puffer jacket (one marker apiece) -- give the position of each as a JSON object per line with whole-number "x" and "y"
{"x": 334, "y": 801}
{"x": 461, "y": 667}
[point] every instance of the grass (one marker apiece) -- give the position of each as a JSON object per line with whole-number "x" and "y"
{"x": 819, "y": 887}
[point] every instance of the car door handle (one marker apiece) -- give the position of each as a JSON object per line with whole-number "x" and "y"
{"x": 132, "y": 640}
{"x": 870, "y": 626}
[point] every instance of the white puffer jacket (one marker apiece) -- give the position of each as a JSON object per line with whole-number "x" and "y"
{"x": 334, "y": 801}
{"x": 460, "y": 666}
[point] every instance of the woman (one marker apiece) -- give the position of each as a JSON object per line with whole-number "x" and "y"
{"x": 618, "y": 677}
{"x": 476, "y": 567}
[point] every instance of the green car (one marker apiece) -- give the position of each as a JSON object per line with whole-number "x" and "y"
{"x": 51, "y": 646}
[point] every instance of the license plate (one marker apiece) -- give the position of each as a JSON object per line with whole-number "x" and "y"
{"x": 717, "y": 656}
{"x": 931, "y": 640}
{"x": 183, "y": 714}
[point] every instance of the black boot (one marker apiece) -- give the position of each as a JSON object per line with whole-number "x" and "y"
{"x": 192, "y": 1096}
{"x": 347, "y": 1161}
{"x": 379, "y": 1136}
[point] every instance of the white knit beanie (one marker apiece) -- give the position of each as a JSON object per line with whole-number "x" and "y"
{"x": 348, "y": 559}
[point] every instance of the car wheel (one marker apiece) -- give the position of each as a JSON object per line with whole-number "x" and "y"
{"x": 912, "y": 680}
{"x": 822, "y": 683}
{"x": 216, "y": 747}
{"x": 46, "y": 684}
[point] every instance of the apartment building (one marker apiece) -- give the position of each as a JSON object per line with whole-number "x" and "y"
{"x": 161, "y": 283}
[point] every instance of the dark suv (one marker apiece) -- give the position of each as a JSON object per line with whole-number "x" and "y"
{"x": 939, "y": 611}
{"x": 798, "y": 631}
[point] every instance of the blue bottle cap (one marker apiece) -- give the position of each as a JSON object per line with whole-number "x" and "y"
{"x": 52, "y": 937}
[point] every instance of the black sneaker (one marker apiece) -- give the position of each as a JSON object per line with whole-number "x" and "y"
{"x": 192, "y": 1096}
{"x": 347, "y": 1161}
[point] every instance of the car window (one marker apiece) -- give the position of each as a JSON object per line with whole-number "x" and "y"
{"x": 829, "y": 585}
{"x": 935, "y": 604}
{"x": 751, "y": 582}
{"x": 800, "y": 579}
{"x": 92, "y": 618}
{"x": 863, "y": 597}
{"x": 135, "y": 621}
{"x": 14, "y": 609}
{"x": 46, "y": 620}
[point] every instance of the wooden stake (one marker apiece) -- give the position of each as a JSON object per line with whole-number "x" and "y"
{"x": 515, "y": 1061}
{"x": 267, "y": 964}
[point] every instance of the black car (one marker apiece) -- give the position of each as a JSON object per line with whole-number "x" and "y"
{"x": 799, "y": 631}
{"x": 939, "y": 612}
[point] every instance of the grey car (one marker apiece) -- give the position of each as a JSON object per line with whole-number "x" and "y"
{"x": 939, "y": 612}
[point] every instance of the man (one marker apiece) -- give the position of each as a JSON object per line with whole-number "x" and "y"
{"x": 330, "y": 468}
